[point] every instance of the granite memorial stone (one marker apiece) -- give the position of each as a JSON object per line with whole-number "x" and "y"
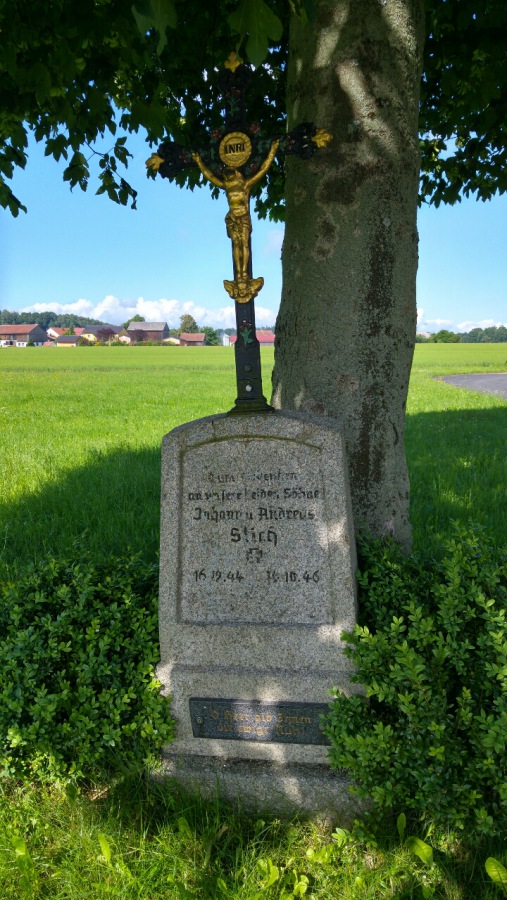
{"x": 257, "y": 584}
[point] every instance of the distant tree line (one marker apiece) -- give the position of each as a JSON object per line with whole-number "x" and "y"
{"x": 492, "y": 335}
{"x": 46, "y": 319}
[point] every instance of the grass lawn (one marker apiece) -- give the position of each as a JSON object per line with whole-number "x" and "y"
{"x": 82, "y": 428}
{"x": 81, "y": 432}
{"x": 142, "y": 841}
{"x": 80, "y": 463}
{"x": 455, "y": 443}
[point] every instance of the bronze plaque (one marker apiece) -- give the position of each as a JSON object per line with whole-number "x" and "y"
{"x": 280, "y": 722}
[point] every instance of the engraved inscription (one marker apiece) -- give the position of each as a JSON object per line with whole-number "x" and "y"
{"x": 254, "y": 537}
{"x": 282, "y": 722}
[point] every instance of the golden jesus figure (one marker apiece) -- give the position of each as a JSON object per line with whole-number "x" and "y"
{"x": 239, "y": 223}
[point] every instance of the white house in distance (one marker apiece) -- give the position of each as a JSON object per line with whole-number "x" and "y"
{"x": 20, "y": 335}
{"x": 55, "y": 331}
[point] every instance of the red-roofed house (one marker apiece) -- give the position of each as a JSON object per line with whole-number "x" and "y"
{"x": 192, "y": 340}
{"x": 266, "y": 338}
{"x": 20, "y": 335}
{"x": 55, "y": 332}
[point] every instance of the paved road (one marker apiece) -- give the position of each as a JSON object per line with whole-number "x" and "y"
{"x": 495, "y": 383}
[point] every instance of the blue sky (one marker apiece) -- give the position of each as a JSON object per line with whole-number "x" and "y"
{"x": 75, "y": 252}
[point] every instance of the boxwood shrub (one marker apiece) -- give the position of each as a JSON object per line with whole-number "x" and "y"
{"x": 430, "y": 734}
{"x": 78, "y": 646}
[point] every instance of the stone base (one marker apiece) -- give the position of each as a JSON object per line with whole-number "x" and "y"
{"x": 257, "y": 584}
{"x": 256, "y": 786}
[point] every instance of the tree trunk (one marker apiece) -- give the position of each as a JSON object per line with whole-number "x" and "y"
{"x": 345, "y": 332}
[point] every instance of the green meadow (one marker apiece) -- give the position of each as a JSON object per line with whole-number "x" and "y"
{"x": 82, "y": 429}
{"x": 455, "y": 442}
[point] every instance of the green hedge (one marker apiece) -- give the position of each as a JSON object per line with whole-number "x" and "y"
{"x": 430, "y": 736}
{"x": 78, "y": 645}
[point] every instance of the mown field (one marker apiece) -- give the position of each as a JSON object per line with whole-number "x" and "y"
{"x": 455, "y": 441}
{"x": 80, "y": 465}
{"x": 82, "y": 428}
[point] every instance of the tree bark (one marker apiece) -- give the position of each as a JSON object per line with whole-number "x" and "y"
{"x": 346, "y": 328}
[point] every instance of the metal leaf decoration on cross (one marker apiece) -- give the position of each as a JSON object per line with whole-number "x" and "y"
{"x": 235, "y": 160}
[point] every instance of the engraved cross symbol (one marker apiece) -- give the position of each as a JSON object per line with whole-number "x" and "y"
{"x": 236, "y": 160}
{"x": 253, "y": 554}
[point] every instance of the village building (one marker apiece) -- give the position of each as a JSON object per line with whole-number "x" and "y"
{"x": 123, "y": 336}
{"x": 69, "y": 340}
{"x": 192, "y": 340}
{"x": 102, "y": 333}
{"x": 54, "y": 332}
{"x": 148, "y": 331}
{"x": 22, "y": 335}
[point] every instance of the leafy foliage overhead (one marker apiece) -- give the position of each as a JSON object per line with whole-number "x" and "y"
{"x": 254, "y": 19}
{"x": 157, "y": 14}
{"x": 74, "y": 73}
{"x": 464, "y": 100}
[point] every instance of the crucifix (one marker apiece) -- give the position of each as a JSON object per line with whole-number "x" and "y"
{"x": 236, "y": 160}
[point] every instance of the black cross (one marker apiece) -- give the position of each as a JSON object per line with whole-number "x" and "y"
{"x": 236, "y": 159}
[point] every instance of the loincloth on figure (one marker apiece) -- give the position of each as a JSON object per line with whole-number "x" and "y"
{"x": 238, "y": 226}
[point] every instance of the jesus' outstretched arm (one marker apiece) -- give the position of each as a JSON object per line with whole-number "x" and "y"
{"x": 207, "y": 172}
{"x": 265, "y": 165}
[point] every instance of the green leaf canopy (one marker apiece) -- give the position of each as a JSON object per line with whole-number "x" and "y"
{"x": 72, "y": 73}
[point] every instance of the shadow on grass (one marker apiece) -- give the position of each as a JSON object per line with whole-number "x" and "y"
{"x": 458, "y": 471}
{"x": 210, "y": 840}
{"x": 106, "y": 506}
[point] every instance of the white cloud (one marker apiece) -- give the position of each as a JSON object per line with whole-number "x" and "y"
{"x": 273, "y": 242}
{"x": 114, "y": 311}
{"x": 79, "y": 308}
{"x": 428, "y": 325}
{"x": 264, "y": 316}
{"x": 484, "y": 323}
